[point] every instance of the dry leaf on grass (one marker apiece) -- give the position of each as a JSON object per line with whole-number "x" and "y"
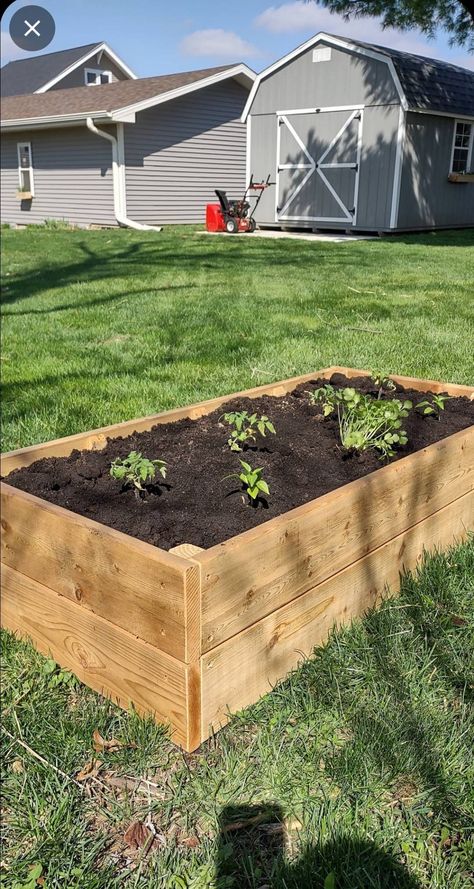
{"x": 90, "y": 770}
{"x": 189, "y": 842}
{"x": 101, "y": 743}
{"x": 137, "y": 834}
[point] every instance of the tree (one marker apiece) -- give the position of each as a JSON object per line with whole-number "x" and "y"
{"x": 454, "y": 16}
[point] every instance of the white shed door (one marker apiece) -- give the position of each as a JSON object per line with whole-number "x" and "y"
{"x": 318, "y": 164}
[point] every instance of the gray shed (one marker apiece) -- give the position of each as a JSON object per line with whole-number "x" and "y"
{"x": 137, "y": 152}
{"x": 361, "y": 137}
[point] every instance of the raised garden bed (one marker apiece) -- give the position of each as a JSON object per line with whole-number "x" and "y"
{"x": 203, "y": 629}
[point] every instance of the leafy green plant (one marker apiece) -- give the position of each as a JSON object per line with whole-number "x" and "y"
{"x": 32, "y": 878}
{"x": 245, "y": 427}
{"x": 435, "y": 406}
{"x": 137, "y": 470}
{"x": 365, "y": 422}
{"x": 251, "y": 479}
{"x": 382, "y": 381}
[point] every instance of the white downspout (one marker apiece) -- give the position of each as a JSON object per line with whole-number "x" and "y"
{"x": 118, "y": 183}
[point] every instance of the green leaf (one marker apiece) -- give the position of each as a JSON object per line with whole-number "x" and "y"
{"x": 330, "y": 881}
{"x": 49, "y": 666}
{"x": 252, "y": 492}
{"x": 271, "y": 427}
{"x": 263, "y": 486}
{"x": 246, "y": 466}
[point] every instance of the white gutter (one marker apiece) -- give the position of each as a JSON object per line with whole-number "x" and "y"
{"x": 120, "y": 203}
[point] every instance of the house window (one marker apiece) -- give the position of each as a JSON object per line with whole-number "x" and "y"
{"x": 25, "y": 168}
{"x": 94, "y": 76}
{"x": 462, "y": 147}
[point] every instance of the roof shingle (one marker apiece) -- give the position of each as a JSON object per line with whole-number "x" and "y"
{"x": 106, "y": 97}
{"x": 28, "y": 75}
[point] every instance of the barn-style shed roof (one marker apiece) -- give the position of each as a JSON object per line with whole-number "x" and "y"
{"x": 423, "y": 84}
{"x": 429, "y": 84}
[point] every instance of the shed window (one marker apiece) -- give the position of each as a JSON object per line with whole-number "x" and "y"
{"x": 462, "y": 147}
{"x": 94, "y": 76}
{"x": 25, "y": 167}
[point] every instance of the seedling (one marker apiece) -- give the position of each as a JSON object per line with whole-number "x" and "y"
{"x": 365, "y": 422}
{"x": 383, "y": 382}
{"x": 252, "y": 480}
{"x": 435, "y": 406}
{"x": 245, "y": 427}
{"x": 137, "y": 470}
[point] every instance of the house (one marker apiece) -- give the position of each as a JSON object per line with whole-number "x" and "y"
{"x": 129, "y": 151}
{"x": 361, "y": 137}
{"x": 88, "y": 65}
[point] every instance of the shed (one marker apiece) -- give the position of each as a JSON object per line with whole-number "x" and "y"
{"x": 362, "y": 137}
{"x": 137, "y": 151}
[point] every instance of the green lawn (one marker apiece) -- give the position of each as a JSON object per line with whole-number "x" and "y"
{"x": 356, "y": 772}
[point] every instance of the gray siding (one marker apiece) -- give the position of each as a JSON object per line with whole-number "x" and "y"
{"x": 77, "y": 77}
{"x": 427, "y": 199}
{"x": 72, "y": 177}
{"x": 177, "y": 153}
{"x": 347, "y": 79}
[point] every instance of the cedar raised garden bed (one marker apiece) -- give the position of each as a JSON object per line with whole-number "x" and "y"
{"x": 194, "y": 633}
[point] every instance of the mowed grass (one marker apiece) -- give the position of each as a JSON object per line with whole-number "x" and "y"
{"x": 357, "y": 771}
{"x": 107, "y": 325}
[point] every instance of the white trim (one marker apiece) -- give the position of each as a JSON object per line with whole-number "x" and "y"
{"x": 469, "y": 147}
{"x": 48, "y": 120}
{"x": 324, "y": 108}
{"x": 248, "y": 149}
{"x": 122, "y": 167}
{"x": 281, "y": 215}
{"x": 333, "y": 41}
{"x": 468, "y": 117}
{"x": 127, "y": 113}
{"x": 100, "y": 48}
{"x": 236, "y": 71}
{"x": 20, "y": 145}
{"x": 397, "y": 173}
{"x": 98, "y": 72}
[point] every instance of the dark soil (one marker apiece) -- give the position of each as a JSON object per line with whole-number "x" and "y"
{"x": 195, "y": 504}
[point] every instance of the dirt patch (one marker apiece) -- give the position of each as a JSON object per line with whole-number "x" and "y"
{"x": 196, "y": 504}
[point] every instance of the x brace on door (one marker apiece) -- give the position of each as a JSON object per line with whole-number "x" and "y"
{"x": 319, "y": 166}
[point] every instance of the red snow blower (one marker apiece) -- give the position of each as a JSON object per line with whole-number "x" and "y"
{"x": 236, "y": 216}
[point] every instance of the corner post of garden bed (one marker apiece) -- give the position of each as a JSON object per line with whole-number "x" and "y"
{"x": 192, "y": 630}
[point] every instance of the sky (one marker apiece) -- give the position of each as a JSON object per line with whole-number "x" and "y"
{"x": 158, "y": 37}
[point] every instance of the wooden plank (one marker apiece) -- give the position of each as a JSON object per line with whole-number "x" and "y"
{"x": 454, "y": 389}
{"x": 97, "y": 438}
{"x": 105, "y": 657}
{"x": 240, "y": 670}
{"x": 250, "y": 575}
{"x": 124, "y": 580}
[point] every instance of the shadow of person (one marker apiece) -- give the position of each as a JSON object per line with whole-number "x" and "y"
{"x": 254, "y": 852}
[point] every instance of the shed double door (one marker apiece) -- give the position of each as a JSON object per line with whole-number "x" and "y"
{"x": 318, "y": 165}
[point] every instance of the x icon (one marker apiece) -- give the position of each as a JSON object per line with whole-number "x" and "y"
{"x": 32, "y": 28}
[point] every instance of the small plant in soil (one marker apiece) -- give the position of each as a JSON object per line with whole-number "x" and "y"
{"x": 433, "y": 407}
{"x": 136, "y": 470}
{"x": 245, "y": 426}
{"x": 365, "y": 422}
{"x": 252, "y": 480}
{"x": 382, "y": 381}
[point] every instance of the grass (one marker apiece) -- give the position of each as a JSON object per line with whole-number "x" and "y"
{"x": 103, "y": 326}
{"x": 357, "y": 771}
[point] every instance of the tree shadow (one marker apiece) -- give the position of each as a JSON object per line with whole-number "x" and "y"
{"x": 254, "y": 851}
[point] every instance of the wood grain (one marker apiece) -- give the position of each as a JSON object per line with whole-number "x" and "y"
{"x": 133, "y": 584}
{"x": 256, "y": 572}
{"x": 102, "y": 655}
{"x": 240, "y": 670}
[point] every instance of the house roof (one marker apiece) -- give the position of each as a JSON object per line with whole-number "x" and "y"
{"x": 112, "y": 99}
{"x": 29, "y": 75}
{"x": 423, "y": 84}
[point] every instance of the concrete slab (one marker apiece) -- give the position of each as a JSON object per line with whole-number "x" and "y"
{"x": 331, "y": 237}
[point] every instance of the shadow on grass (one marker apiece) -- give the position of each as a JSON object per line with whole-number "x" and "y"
{"x": 253, "y": 854}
